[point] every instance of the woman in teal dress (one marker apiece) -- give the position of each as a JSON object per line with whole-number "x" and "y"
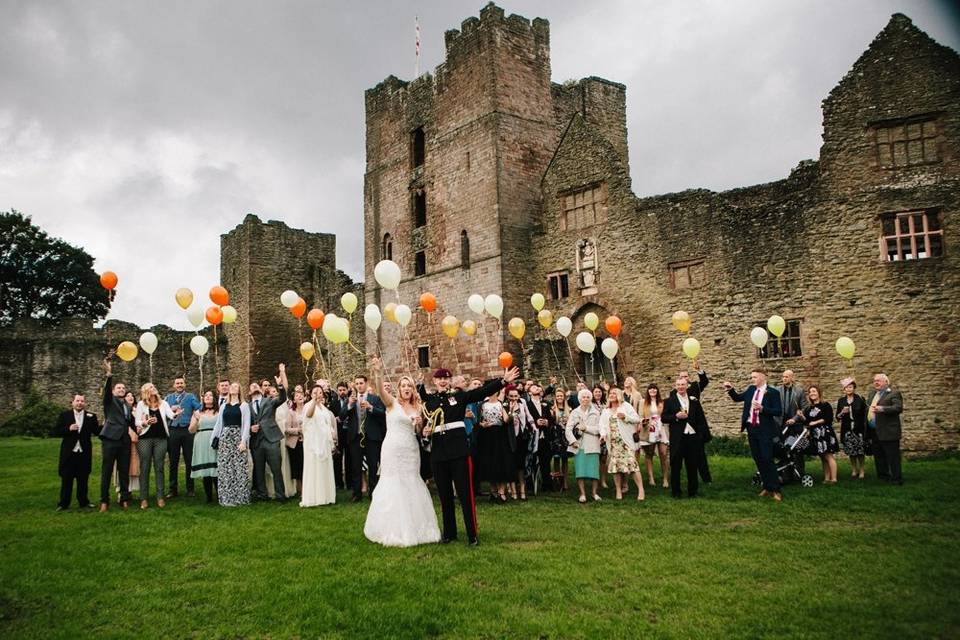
{"x": 204, "y": 462}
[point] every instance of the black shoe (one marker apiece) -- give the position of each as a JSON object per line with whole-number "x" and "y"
{"x": 88, "y": 505}
{"x": 173, "y": 493}
{"x": 61, "y": 508}
{"x": 191, "y": 494}
{"x": 473, "y": 542}
{"x": 356, "y": 499}
{"x": 446, "y": 540}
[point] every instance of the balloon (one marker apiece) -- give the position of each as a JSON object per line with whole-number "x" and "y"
{"x": 610, "y": 348}
{"x": 845, "y": 347}
{"x": 505, "y": 359}
{"x": 586, "y": 342}
{"x": 148, "y": 342}
{"x": 494, "y": 305}
{"x": 184, "y": 298}
{"x": 315, "y": 319}
{"x": 591, "y": 321}
{"x": 691, "y": 348}
{"x": 389, "y": 311}
{"x": 349, "y": 302}
{"x": 387, "y": 274}
{"x": 613, "y": 325}
{"x": 214, "y": 315}
{"x": 681, "y": 321}
{"x": 339, "y": 330}
{"x": 475, "y": 302}
{"x": 219, "y": 296}
{"x": 229, "y": 314}
{"x": 564, "y": 326}
{"x": 537, "y": 301}
{"x": 470, "y": 327}
{"x": 776, "y": 325}
{"x": 450, "y": 326}
{"x": 403, "y": 315}
{"x": 545, "y": 318}
{"x": 108, "y": 280}
{"x": 195, "y": 316}
{"x": 517, "y": 328}
{"x": 299, "y": 308}
{"x": 428, "y": 302}
{"x": 307, "y": 350}
{"x": 759, "y": 337}
{"x": 289, "y": 298}
{"x": 126, "y": 351}
{"x": 199, "y": 345}
{"x": 372, "y": 317}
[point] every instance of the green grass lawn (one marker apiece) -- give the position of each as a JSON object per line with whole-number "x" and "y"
{"x": 857, "y": 560}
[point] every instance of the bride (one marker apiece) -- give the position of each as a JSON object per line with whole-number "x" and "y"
{"x": 402, "y": 513}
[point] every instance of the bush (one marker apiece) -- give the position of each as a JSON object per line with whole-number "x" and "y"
{"x": 36, "y": 417}
{"x": 727, "y": 446}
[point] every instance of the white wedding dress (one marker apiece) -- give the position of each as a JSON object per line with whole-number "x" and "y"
{"x": 319, "y": 487}
{"x": 401, "y": 513}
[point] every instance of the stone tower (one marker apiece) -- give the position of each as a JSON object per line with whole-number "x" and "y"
{"x": 451, "y": 192}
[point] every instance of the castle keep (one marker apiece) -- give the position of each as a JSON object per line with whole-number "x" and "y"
{"x": 487, "y": 177}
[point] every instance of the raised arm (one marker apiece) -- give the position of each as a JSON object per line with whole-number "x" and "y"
{"x": 376, "y": 372}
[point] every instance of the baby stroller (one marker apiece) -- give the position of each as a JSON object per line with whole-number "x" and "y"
{"x": 789, "y": 451}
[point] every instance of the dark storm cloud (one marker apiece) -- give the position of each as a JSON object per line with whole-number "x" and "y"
{"x": 144, "y": 130}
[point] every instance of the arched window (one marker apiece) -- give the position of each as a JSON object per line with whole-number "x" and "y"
{"x": 464, "y": 250}
{"x": 386, "y": 249}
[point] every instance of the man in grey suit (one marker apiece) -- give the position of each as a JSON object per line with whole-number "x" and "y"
{"x": 115, "y": 439}
{"x": 883, "y": 422}
{"x": 793, "y": 400}
{"x": 267, "y": 437}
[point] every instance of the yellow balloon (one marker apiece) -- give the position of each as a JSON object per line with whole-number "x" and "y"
{"x": 591, "y": 321}
{"x": 776, "y": 325}
{"x": 388, "y": 310}
{"x": 545, "y": 318}
{"x": 517, "y": 328}
{"x": 307, "y": 350}
{"x": 845, "y": 347}
{"x": 349, "y": 302}
{"x": 127, "y": 351}
{"x": 691, "y": 348}
{"x": 470, "y": 327}
{"x": 229, "y": 314}
{"x": 681, "y": 321}
{"x": 537, "y": 300}
{"x": 184, "y": 298}
{"x": 450, "y": 326}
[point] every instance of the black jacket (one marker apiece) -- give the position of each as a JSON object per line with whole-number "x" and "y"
{"x": 73, "y": 464}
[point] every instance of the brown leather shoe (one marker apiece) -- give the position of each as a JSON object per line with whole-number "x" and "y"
{"x": 777, "y": 496}
{"x": 103, "y": 507}
{"x": 764, "y": 493}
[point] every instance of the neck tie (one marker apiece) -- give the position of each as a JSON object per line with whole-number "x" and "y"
{"x": 256, "y": 407}
{"x": 788, "y": 394}
{"x": 755, "y": 413}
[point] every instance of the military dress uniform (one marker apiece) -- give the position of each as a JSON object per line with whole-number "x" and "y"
{"x": 450, "y": 450}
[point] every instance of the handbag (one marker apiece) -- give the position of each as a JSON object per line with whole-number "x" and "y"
{"x": 636, "y": 436}
{"x": 215, "y": 443}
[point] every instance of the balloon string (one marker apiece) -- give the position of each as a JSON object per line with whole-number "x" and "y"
{"x": 200, "y": 363}
{"x": 151, "y": 367}
{"x": 361, "y": 353}
{"x": 456, "y": 356}
{"x": 572, "y": 362}
{"x": 216, "y": 351}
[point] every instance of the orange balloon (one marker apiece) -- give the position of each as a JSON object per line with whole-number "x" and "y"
{"x": 315, "y": 318}
{"x": 108, "y": 280}
{"x": 299, "y": 309}
{"x": 219, "y": 296}
{"x": 505, "y": 360}
{"x": 613, "y": 325}
{"x": 214, "y": 315}
{"x": 428, "y": 302}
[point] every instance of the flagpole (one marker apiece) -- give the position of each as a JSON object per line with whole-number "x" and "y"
{"x": 416, "y": 71}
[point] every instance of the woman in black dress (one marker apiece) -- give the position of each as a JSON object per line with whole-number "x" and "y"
{"x": 852, "y": 414}
{"x": 823, "y": 440}
{"x": 495, "y": 457}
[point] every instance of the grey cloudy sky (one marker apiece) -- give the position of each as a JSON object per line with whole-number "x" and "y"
{"x": 143, "y": 130}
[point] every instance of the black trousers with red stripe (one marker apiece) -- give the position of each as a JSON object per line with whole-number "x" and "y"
{"x": 449, "y": 474}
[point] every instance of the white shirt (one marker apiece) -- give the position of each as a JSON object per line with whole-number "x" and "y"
{"x": 685, "y": 405}
{"x": 78, "y": 418}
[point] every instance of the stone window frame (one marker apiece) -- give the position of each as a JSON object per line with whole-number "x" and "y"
{"x": 906, "y": 134}
{"x": 563, "y": 285}
{"x": 789, "y": 345}
{"x": 418, "y": 213}
{"x": 685, "y": 265}
{"x": 894, "y": 236}
{"x": 567, "y": 201}
{"x": 418, "y": 148}
{"x": 423, "y": 356}
{"x": 386, "y": 247}
{"x": 420, "y": 263}
{"x": 464, "y": 249}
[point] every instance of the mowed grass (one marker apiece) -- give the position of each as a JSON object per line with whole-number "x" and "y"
{"x": 860, "y": 559}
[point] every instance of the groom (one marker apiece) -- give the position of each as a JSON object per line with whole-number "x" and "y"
{"x": 450, "y": 447}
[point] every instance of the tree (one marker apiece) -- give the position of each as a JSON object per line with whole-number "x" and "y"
{"x": 45, "y": 278}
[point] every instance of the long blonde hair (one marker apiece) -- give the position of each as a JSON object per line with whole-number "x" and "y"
{"x": 414, "y": 397}
{"x": 152, "y": 400}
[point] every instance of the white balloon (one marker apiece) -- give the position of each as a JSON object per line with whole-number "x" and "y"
{"x": 759, "y": 337}
{"x": 586, "y": 342}
{"x": 289, "y": 298}
{"x": 195, "y": 316}
{"x": 475, "y": 302}
{"x": 199, "y": 345}
{"x": 609, "y": 347}
{"x": 148, "y": 342}
{"x": 403, "y": 315}
{"x": 387, "y": 274}
{"x": 494, "y": 305}
{"x": 372, "y": 317}
{"x": 564, "y": 326}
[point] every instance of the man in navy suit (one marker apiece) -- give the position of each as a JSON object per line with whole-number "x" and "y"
{"x": 761, "y": 407}
{"x": 365, "y": 420}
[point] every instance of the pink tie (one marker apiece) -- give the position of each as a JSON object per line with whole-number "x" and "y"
{"x": 755, "y": 413}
